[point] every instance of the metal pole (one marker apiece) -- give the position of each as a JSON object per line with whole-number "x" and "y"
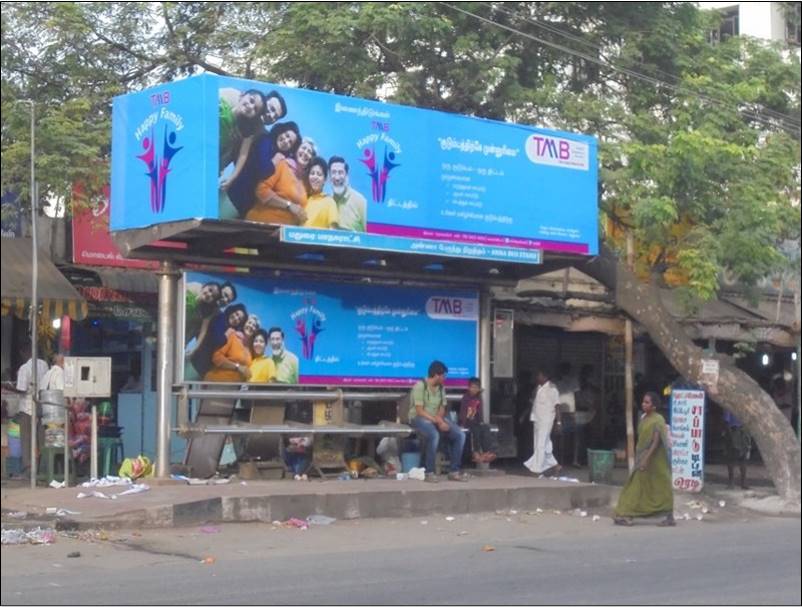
{"x": 164, "y": 362}
{"x": 628, "y": 383}
{"x": 66, "y": 441}
{"x": 34, "y": 316}
{"x": 485, "y": 332}
{"x": 93, "y": 454}
{"x": 798, "y": 314}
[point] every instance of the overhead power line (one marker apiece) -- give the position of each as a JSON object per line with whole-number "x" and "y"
{"x": 786, "y": 121}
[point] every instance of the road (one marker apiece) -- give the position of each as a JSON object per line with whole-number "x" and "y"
{"x": 543, "y": 558}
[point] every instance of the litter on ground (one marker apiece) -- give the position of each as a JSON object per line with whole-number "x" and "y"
{"x": 12, "y": 537}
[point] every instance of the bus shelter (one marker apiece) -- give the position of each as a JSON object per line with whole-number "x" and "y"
{"x": 367, "y": 234}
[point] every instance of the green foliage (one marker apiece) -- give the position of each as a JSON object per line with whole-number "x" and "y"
{"x": 699, "y": 144}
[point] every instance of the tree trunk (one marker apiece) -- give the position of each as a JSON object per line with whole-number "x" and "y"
{"x": 736, "y": 391}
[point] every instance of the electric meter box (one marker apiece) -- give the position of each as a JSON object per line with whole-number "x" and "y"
{"x": 87, "y": 376}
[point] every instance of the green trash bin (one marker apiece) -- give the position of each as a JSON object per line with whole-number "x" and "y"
{"x": 600, "y": 464}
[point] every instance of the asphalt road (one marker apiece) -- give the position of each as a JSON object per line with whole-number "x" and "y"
{"x": 728, "y": 558}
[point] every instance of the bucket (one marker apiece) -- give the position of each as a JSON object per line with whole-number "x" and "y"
{"x": 600, "y": 464}
{"x": 52, "y": 405}
{"x": 410, "y": 460}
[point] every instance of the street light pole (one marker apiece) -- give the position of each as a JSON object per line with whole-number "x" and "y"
{"x": 34, "y": 315}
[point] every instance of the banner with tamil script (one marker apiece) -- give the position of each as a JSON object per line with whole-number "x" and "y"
{"x": 246, "y": 328}
{"x": 406, "y": 178}
{"x": 688, "y": 439}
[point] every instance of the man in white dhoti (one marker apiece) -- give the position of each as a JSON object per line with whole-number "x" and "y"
{"x": 544, "y": 411}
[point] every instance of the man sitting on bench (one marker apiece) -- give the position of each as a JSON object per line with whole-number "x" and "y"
{"x": 427, "y": 415}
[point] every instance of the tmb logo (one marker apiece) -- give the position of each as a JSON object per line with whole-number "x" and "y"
{"x": 379, "y": 169}
{"x": 309, "y": 321}
{"x": 158, "y": 153}
{"x": 556, "y": 151}
{"x": 452, "y": 308}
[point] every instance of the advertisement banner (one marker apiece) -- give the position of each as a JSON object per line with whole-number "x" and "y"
{"x": 224, "y": 148}
{"x": 245, "y": 328}
{"x": 687, "y": 437}
{"x": 105, "y": 302}
{"x": 91, "y": 241}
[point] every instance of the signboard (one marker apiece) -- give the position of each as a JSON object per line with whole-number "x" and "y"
{"x": 687, "y": 438}
{"x": 91, "y": 241}
{"x": 326, "y": 333}
{"x": 710, "y": 372}
{"x": 406, "y": 179}
{"x": 105, "y": 302}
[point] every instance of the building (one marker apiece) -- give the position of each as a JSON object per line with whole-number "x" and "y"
{"x": 775, "y": 21}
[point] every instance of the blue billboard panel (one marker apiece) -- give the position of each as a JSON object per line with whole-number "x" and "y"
{"x": 161, "y": 144}
{"x": 260, "y": 330}
{"x": 284, "y": 156}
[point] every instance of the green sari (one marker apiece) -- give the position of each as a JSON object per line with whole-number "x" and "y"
{"x": 649, "y": 492}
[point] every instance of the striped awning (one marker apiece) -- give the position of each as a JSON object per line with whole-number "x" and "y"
{"x": 57, "y": 297}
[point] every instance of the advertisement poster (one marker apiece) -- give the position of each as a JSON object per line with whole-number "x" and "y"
{"x": 687, "y": 437}
{"x": 402, "y": 178}
{"x": 91, "y": 241}
{"x": 242, "y": 329}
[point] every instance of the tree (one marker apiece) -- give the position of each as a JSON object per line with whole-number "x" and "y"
{"x": 699, "y": 144}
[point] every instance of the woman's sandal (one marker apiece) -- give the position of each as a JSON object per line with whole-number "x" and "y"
{"x": 624, "y": 522}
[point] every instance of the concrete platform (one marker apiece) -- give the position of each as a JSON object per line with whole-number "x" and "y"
{"x": 243, "y": 501}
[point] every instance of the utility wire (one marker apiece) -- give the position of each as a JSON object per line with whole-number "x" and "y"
{"x": 601, "y": 51}
{"x": 632, "y": 73}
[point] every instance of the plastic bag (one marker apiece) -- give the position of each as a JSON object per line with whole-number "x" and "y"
{"x": 137, "y": 467}
{"x": 417, "y": 474}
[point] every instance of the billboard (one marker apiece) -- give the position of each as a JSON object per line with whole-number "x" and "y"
{"x": 91, "y": 241}
{"x": 250, "y": 329}
{"x": 394, "y": 178}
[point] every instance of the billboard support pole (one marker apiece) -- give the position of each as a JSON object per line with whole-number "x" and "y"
{"x": 165, "y": 362}
{"x": 485, "y": 333}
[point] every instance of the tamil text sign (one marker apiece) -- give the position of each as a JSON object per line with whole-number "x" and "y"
{"x": 223, "y": 148}
{"x": 325, "y": 333}
{"x": 687, "y": 438}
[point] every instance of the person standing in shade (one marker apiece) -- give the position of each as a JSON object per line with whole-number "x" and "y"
{"x": 427, "y": 414}
{"x": 738, "y": 446}
{"x": 543, "y": 415}
{"x": 286, "y": 362}
{"x": 648, "y": 491}
{"x": 53, "y": 380}
{"x": 25, "y": 385}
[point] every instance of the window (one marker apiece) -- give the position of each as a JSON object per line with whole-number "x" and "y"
{"x": 728, "y": 27}
{"x": 793, "y": 17}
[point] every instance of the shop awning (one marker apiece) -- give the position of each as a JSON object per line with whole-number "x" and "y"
{"x": 56, "y": 295}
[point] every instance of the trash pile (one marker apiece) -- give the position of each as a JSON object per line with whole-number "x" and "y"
{"x": 303, "y": 525}
{"x": 215, "y": 480}
{"x": 111, "y": 481}
{"x": 38, "y": 536}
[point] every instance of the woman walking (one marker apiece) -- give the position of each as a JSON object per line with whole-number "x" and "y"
{"x": 648, "y": 490}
